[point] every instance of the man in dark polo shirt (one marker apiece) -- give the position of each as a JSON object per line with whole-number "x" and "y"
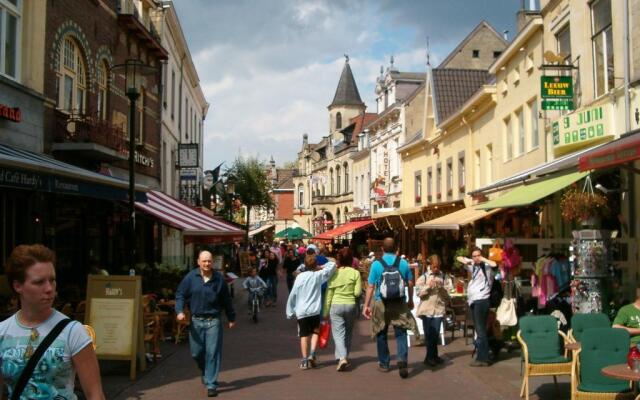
{"x": 208, "y": 295}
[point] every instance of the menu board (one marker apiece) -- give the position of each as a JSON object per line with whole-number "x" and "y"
{"x": 114, "y": 310}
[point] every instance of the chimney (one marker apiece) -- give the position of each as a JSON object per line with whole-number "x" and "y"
{"x": 525, "y": 15}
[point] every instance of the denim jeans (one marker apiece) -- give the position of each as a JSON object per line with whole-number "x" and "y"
{"x": 272, "y": 288}
{"x": 205, "y": 342}
{"x": 343, "y": 317}
{"x": 383, "y": 348}
{"x": 431, "y": 326}
{"x": 479, "y": 311}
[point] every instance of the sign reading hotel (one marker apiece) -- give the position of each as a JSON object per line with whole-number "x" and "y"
{"x": 556, "y": 92}
{"x": 581, "y": 129}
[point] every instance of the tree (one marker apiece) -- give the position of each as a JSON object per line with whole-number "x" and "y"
{"x": 252, "y": 185}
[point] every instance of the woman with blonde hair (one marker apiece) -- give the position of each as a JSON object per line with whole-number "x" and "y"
{"x": 433, "y": 300}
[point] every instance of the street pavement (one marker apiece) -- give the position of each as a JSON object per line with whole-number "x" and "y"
{"x": 260, "y": 361}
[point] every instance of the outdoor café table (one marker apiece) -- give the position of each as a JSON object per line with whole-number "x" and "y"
{"x": 622, "y": 372}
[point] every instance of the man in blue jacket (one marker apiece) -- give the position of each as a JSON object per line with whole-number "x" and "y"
{"x": 208, "y": 295}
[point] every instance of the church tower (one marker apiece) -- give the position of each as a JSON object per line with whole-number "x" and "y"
{"x": 346, "y": 102}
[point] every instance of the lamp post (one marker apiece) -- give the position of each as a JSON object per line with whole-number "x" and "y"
{"x": 134, "y": 74}
{"x": 230, "y": 192}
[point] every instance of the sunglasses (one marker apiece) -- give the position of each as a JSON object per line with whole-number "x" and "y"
{"x": 33, "y": 337}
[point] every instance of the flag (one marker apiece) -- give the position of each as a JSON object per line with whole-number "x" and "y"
{"x": 216, "y": 173}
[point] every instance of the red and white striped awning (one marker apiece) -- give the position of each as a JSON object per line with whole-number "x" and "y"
{"x": 191, "y": 221}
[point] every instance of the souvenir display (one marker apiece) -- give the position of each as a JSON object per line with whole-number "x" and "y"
{"x": 590, "y": 264}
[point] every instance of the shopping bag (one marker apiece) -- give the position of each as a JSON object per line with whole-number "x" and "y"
{"x": 506, "y": 312}
{"x": 495, "y": 252}
{"x": 323, "y": 337}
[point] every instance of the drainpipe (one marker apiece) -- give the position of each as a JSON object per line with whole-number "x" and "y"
{"x": 625, "y": 41}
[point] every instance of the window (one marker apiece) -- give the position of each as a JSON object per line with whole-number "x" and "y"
{"x": 164, "y": 85}
{"x": 10, "y": 28}
{"x": 489, "y": 163}
{"x": 357, "y": 192}
{"x": 429, "y": 184}
{"x": 462, "y": 178}
{"x": 186, "y": 117}
{"x": 72, "y": 75}
{"x": 475, "y": 53}
{"x": 602, "y": 46}
{"x": 330, "y": 182}
{"x": 300, "y": 196}
{"x": 449, "y": 177}
{"x": 533, "y": 114}
{"x": 173, "y": 93}
{"x": 521, "y": 135}
{"x": 418, "y": 187}
{"x": 508, "y": 140}
{"x": 140, "y": 116}
{"x": 528, "y": 65}
{"x": 496, "y": 54}
{"x": 180, "y": 107}
{"x": 101, "y": 75}
{"x": 516, "y": 76}
{"x": 438, "y": 181}
{"x": 338, "y": 180}
{"x": 338, "y": 120}
{"x": 346, "y": 177}
{"x": 563, "y": 37}
{"x": 476, "y": 169}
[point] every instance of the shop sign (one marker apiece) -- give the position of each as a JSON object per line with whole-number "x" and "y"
{"x": 10, "y": 113}
{"x": 140, "y": 159}
{"x": 556, "y": 87}
{"x": 557, "y": 104}
{"x": 581, "y": 129}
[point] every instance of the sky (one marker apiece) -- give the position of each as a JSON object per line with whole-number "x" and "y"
{"x": 269, "y": 68}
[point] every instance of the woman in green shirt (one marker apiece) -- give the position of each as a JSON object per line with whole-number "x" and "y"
{"x": 340, "y": 305}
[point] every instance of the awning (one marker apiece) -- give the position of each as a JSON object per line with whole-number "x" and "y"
{"x": 189, "y": 220}
{"x": 457, "y": 219}
{"x": 261, "y": 229}
{"x": 343, "y": 229}
{"x": 22, "y": 169}
{"x": 532, "y": 192}
{"x": 620, "y": 151}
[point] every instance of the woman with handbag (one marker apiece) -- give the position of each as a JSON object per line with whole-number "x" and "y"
{"x": 40, "y": 348}
{"x": 433, "y": 300}
{"x": 340, "y": 305}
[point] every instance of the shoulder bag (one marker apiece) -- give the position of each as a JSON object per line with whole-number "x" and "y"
{"x": 35, "y": 358}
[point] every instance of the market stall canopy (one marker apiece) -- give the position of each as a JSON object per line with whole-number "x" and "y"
{"x": 457, "y": 219}
{"x": 532, "y": 192}
{"x": 615, "y": 153}
{"x": 296, "y": 233}
{"x": 22, "y": 169}
{"x": 343, "y": 229}
{"x": 201, "y": 227}
{"x": 261, "y": 229}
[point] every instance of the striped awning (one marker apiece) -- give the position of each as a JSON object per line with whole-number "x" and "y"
{"x": 189, "y": 220}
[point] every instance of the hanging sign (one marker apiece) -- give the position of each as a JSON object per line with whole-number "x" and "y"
{"x": 581, "y": 129}
{"x": 556, "y": 92}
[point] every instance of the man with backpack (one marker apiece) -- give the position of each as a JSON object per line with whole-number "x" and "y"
{"x": 480, "y": 297}
{"x": 388, "y": 278}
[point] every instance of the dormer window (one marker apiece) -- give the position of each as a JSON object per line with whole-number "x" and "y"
{"x": 475, "y": 53}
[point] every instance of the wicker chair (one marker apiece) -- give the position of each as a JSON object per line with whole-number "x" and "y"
{"x": 582, "y": 322}
{"x": 542, "y": 350}
{"x": 600, "y": 347}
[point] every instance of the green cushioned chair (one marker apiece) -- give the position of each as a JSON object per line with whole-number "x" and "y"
{"x": 542, "y": 349}
{"x": 582, "y": 322}
{"x": 599, "y": 348}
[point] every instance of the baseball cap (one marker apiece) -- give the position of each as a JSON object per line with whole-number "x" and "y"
{"x": 372, "y": 254}
{"x": 313, "y": 247}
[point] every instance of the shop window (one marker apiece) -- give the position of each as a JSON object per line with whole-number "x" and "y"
{"x": 102, "y": 80}
{"x": 10, "y": 28}
{"x": 72, "y": 75}
{"x": 602, "y": 40}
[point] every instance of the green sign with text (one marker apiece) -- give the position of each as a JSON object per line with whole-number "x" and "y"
{"x": 556, "y": 87}
{"x": 580, "y": 129}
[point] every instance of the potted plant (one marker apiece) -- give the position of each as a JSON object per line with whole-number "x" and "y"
{"x": 461, "y": 188}
{"x": 449, "y": 192}
{"x": 584, "y": 206}
{"x": 418, "y": 198}
{"x": 429, "y": 198}
{"x": 438, "y": 196}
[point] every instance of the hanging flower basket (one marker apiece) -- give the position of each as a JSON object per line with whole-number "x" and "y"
{"x": 583, "y": 205}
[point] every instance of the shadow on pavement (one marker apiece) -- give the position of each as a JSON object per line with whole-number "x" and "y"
{"x": 248, "y": 382}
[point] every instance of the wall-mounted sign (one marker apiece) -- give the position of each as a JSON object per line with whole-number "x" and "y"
{"x": 557, "y": 104}
{"x": 188, "y": 155}
{"x": 10, "y": 113}
{"x": 556, "y": 92}
{"x": 581, "y": 129}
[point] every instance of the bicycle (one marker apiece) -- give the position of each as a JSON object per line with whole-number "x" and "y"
{"x": 255, "y": 304}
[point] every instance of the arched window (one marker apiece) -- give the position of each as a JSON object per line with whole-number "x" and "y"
{"x": 72, "y": 74}
{"x": 300, "y": 196}
{"x": 338, "y": 180}
{"x": 330, "y": 182}
{"x": 102, "y": 78}
{"x": 346, "y": 177}
{"x": 338, "y": 120}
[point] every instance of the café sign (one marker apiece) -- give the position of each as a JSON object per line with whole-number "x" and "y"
{"x": 581, "y": 129}
{"x": 10, "y": 113}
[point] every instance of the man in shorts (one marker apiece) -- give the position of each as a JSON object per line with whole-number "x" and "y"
{"x": 305, "y": 302}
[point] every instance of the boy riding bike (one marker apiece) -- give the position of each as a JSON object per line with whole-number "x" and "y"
{"x": 255, "y": 286}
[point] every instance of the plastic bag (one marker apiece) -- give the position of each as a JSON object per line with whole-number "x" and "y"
{"x": 323, "y": 337}
{"x": 495, "y": 252}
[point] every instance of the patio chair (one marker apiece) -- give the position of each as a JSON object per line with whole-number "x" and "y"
{"x": 600, "y": 347}
{"x": 582, "y": 322}
{"x": 92, "y": 334}
{"x": 542, "y": 350}
{"x": 458, "y": 311}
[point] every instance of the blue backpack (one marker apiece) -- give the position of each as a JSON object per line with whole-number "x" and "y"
{"x": 392, "y": 283}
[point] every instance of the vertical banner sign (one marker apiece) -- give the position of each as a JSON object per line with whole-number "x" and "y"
{"x": 556, "y": 92}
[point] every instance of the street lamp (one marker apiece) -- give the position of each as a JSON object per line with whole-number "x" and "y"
{"x": 134, "y": 74}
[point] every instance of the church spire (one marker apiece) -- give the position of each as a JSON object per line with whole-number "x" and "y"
{"x": 347, "y": 92}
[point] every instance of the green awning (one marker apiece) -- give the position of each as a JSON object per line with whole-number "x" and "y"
{"x": 530, "y": 193}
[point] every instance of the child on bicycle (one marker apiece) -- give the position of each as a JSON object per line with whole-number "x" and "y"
{"x": 255, "y": 286}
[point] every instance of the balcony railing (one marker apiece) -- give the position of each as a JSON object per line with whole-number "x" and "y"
{"x": 85, "y": 129}
{"x": 130, "y": 16}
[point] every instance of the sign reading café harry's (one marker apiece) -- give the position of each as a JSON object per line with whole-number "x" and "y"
{"x": 583, "y": 128}
{"x": 10, "y": 113}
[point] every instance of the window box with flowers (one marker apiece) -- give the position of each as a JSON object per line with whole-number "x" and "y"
{"x": 438, "y": 196}
{"x": 583, "y": 206}
{"x": 418, "y": 199}
{"x": 429, "y": 198}
{"x": 449, "y": 192}
{"x": 461, "y": 189}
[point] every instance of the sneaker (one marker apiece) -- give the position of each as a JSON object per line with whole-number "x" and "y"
{"x": 313, "y": 361}
{"x": 383, "y": 368}
{"x": 477, "y": 363}
{"x": 342, "y": 365}
{"x": 212, "y": 392}
{"x": 304, "y": 364}
{"x": 402, "y": 369}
